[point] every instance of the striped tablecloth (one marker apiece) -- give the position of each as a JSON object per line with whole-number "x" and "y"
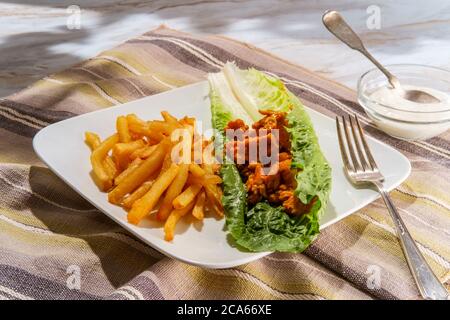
{"x": 50, "y": 237}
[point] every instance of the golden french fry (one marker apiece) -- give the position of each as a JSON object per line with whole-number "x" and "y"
{"x": 136, "y": 126}
{"x": 147, "y": 152}
{"x": 97, "y": 157}
{"x": 137, "y": 194}
{"x": 134, "y": 120}
{"x": 199, "y": 208}
{"x": 137, "y": 153}
{"x": 122, "y": 151}
{"x": 187, "y": 196}
{"x": 143, "y": 153}
{"x": 175, "y": 188}
{"x": 152, "y": 130}
{"x": 133, "y": 166}
{"x": 215, "y": 199}
{"x": 155, "y": 136}
{"x": 207, "y": 167}
{"x": 215, "y": 167}
{"x": 122, "y": 129}
{"x": 187, "y": 121}
{"x": 140, "y": 175}
{"x": 206, "y": 179}
{"x": 152, "y": 158}
{"x": 144, "y": 205}
{"x": 166, "y": 163}
{"x": 216, "y": 191}
{"x": 110, "y": 167}
{"x": 92, "y": 139}
{"x": 160, "y": 126}
{"x": 172, "y": 220}
{"x": 196, "y": 170}
{"x": 128, "y": 147}
{"x": 171, "y": 120}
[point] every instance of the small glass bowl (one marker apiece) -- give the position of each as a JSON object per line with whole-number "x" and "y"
{"x": 401, "y": 123}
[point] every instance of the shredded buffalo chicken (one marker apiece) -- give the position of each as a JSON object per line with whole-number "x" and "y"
{"x": 276, "y": 187}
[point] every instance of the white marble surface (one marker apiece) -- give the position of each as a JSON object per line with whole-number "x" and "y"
{"x": 35, "y": 40}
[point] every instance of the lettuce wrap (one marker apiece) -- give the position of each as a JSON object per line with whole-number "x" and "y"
{"x": 236, "y": 93}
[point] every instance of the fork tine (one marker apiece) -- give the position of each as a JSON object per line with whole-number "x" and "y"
{"x": 350, "y": 147}
{"x": 357, "y": 139}
{"x": 344, "y": 155}
{"x": 366, "y": 146}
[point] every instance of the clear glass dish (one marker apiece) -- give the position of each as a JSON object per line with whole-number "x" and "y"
{"x": 394, "y": 120}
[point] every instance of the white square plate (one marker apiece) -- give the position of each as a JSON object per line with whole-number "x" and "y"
{"x": 61, "y": 146}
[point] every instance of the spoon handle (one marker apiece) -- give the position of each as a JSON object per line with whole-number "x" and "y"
{"x": 336, "y": 24}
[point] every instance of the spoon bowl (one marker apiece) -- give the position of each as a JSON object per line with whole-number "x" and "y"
{"x": 419, "y": 96}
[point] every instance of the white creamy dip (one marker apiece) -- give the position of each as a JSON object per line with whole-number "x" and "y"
{"x": 406, "y": 119}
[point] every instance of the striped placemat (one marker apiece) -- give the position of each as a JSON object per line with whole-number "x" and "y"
{"x": 54, "y": 245}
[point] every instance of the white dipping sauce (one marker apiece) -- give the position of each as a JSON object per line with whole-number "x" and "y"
{"x": 406, "y": 119}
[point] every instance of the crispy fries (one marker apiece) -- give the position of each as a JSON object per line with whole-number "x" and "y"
{"x": 143, "y": 152}
{"x": 160, "y": 126}
{"x": 206, "y": 179}
{"x": 110, "y": 167}
{"x": 215, "y": 198}
{"x": 196, "y": 170}
{"x": 136, "y": 125}
{"x": 199, "y": 208}
{"x": 123, "y": 150}
{"x": 137, "y": 194}
{"x": 98, "y": 156}
{"x": 174, "y": 190}
{"x": 144, "y": 205}
{"x": 92, "y": 139}
{"x": 166, "y": 163}
{"x": 133, "y": 165}
{"x": 187, "y": 196}
{"x": 170, "y": 120}
{"x": 146, "y": 163}
{"x": 174, "y": 217}
{"x": 122, "y": 129}
{"x": 140, "y": 175}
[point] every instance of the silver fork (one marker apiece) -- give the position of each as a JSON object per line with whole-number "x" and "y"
{"x": 361, "y": 168}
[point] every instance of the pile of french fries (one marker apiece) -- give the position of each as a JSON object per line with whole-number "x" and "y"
{"x": 163, "y": 164}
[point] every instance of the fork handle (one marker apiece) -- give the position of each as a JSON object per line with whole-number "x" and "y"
{"x": 429, "y": 286}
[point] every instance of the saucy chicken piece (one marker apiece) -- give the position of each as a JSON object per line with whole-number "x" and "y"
{"x": 278, "y": 187}
{"x": 275, "y": 120}
{"x": 237, "y": 124}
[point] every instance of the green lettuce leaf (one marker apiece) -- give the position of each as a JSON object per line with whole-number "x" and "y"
{"x": 237, "y": 93}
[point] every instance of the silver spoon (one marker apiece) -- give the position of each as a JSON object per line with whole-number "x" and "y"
{"x": 334, "y": 22}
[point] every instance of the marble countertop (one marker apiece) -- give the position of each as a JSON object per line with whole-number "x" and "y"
{"x": 40, "y": 37}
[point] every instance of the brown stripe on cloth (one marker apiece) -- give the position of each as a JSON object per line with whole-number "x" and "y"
{"x": 182, "y": 54}
{"x": 26, "y": 120}
{"x": 18, "y": 284}
{"x": 46, "y": 226}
